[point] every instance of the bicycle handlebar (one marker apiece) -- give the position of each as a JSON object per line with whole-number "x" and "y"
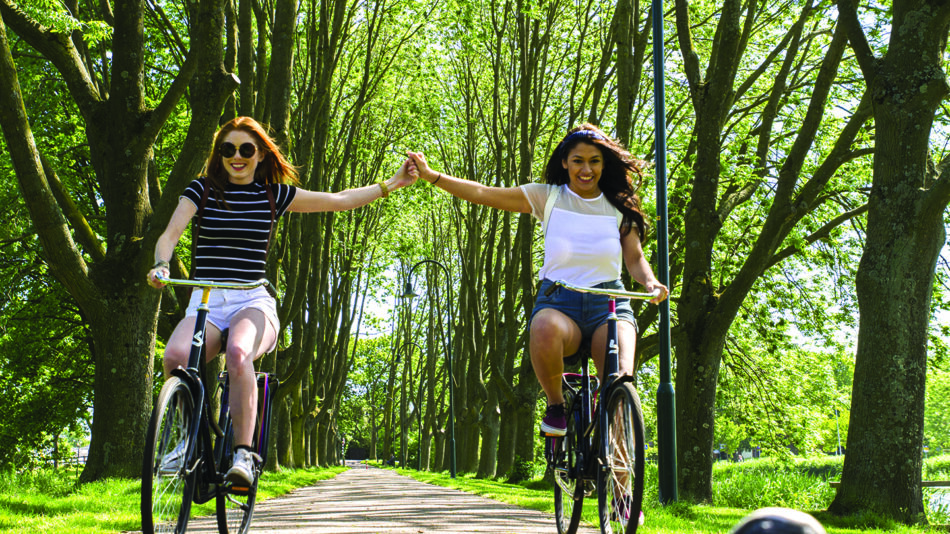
{"x": 208, "y": 283}
{"x": 616, "y": 293}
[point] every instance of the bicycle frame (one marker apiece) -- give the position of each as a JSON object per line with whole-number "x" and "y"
{"x": 592, "y": 435}
{"x": 202, "y": 424}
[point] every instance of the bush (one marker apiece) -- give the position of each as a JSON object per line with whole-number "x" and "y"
{"x": 760, "y": 483}
{"x": 46, "y": 481}
{"x": 521, "y": 470}
{"x": 937, "y": 468}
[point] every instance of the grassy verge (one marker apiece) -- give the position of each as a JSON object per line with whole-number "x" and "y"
{"x": 47, "y": 502}
{"x": 760, "y": 486}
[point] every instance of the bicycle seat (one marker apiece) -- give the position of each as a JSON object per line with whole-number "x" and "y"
{"x": 583, "y": 353}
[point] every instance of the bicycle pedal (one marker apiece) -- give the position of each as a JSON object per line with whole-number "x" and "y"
{"x": 240, "y": 490}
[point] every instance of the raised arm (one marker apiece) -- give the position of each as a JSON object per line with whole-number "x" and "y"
{"x": 639, "y": 267}
{"x": 310, "y": 201}
{"x": 503, "y": 198}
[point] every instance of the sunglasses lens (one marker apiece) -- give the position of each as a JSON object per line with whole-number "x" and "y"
{"x": 248, "y": 150}
{"x": 228, "y": 149}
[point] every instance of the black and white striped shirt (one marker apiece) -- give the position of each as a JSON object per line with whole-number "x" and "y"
{"x": 232, "y": 241}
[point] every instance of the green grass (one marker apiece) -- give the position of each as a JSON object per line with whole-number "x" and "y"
{"x": 739, "y": 488}
{"x": 46, "y": 502}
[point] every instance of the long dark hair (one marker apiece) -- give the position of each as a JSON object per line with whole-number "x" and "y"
{"x": 619, "y": 181}
{"x": 273, "y": 169}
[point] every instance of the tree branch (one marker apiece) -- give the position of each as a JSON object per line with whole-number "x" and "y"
{"x": 685, "y": 36}
{"x": 59, "y": 250}
{"x": 848, "y": 18}
{"x": 821, "y": 233}
{"x": 87, "y": 238}
{"x": 939, "y": 195}
{"x": 59, "y": 50}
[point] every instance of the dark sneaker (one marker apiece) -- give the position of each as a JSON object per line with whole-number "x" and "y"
{"x": 555, "y": 421}
{"x": 621, "y": 512}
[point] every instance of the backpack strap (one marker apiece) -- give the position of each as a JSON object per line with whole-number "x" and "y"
{"x": 273, "y": 216}
{"x": 196, "y": 224}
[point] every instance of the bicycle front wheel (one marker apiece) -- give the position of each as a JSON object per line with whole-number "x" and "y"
{"x": 167, "y": 488}
{"x": 620, "y": 478}
{"x": 234, "y": 504}
{"x": 568, "y": 487}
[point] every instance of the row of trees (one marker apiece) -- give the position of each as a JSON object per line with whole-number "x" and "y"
{"x": 801, "y": 137}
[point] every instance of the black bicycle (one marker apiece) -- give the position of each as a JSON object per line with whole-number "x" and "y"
{"x": 602, "y": 451}
{"x": 188, "y": 451}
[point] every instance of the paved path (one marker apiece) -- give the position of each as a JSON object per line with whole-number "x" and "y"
{"x": 368, "y": 500}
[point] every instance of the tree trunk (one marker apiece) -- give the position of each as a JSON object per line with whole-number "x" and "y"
{"x": 905, "y": 233}
{"x": 121, "y": 131}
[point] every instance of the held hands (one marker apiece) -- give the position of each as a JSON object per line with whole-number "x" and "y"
{"x": 406, "y": 175}
{"x": 423, "y": 170}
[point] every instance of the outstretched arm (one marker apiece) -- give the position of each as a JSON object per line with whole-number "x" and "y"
{"x": 503, "y": 198}
{"x": 310, "y": 201}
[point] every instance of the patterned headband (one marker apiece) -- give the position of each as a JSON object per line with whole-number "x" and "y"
{"x": 579, "y": 134}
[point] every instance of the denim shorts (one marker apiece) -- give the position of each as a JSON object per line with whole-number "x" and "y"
{"x": 224, "y": 304}
{"x": 586, "y": 310}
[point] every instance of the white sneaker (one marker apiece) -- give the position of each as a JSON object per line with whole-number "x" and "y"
{"x": 244, "y": 466}
{"x": 171, "y": 462}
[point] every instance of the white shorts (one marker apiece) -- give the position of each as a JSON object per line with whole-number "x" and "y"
{"x": 224, "y": 304}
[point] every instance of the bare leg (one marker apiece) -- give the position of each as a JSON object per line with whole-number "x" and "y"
{"x": 627, "y": 335}
{"x": 249, "y": 335}
{"x": 179, "y": 344}
{"x": 553, "y": 336}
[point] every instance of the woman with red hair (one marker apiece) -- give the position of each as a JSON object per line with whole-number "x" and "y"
{"x": 247, "y": 184}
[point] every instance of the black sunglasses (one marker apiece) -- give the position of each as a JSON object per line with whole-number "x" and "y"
{"x": 247, "y": 150}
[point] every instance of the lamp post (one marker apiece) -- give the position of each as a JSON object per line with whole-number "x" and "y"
{"x": 665, "y": 395}
{"x": 408, "y": 293}
{"x": 418, "y": 402}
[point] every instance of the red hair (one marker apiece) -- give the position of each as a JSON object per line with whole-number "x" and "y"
{"x": 273, "y": 169}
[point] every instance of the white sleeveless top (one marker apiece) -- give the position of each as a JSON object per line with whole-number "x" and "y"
{"x": 582, "y": 237}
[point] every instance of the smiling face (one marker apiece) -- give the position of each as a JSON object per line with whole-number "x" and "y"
{"x": 584, "y": 164}
{"x": 240, "y": 168}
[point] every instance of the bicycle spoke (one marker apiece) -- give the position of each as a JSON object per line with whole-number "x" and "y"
{"x": 166, "y": 489}
{"x": 620, "y": 484}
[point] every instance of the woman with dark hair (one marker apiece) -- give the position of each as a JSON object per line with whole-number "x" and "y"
{"x": 247, "y": 184}
{"x": 591, "y": 218}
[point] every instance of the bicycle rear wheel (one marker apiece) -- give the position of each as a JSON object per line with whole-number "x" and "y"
{"x": 620, "y": 480}
{"x": 167, "y": 488}
{"x": 234, "y": 505}
{"x": 568, "y": 489}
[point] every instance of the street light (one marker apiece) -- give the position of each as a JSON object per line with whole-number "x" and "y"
{"x": 408, "y": 293}
{"x": 666, "y": 393}
{"x": 419, "y": 401}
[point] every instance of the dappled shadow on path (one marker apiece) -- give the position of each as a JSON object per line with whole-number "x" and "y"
{"x": 381, "y": 501}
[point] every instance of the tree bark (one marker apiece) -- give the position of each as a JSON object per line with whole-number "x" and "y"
{"x": 895, "y": 279}
{"x": 120, "y": 130}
